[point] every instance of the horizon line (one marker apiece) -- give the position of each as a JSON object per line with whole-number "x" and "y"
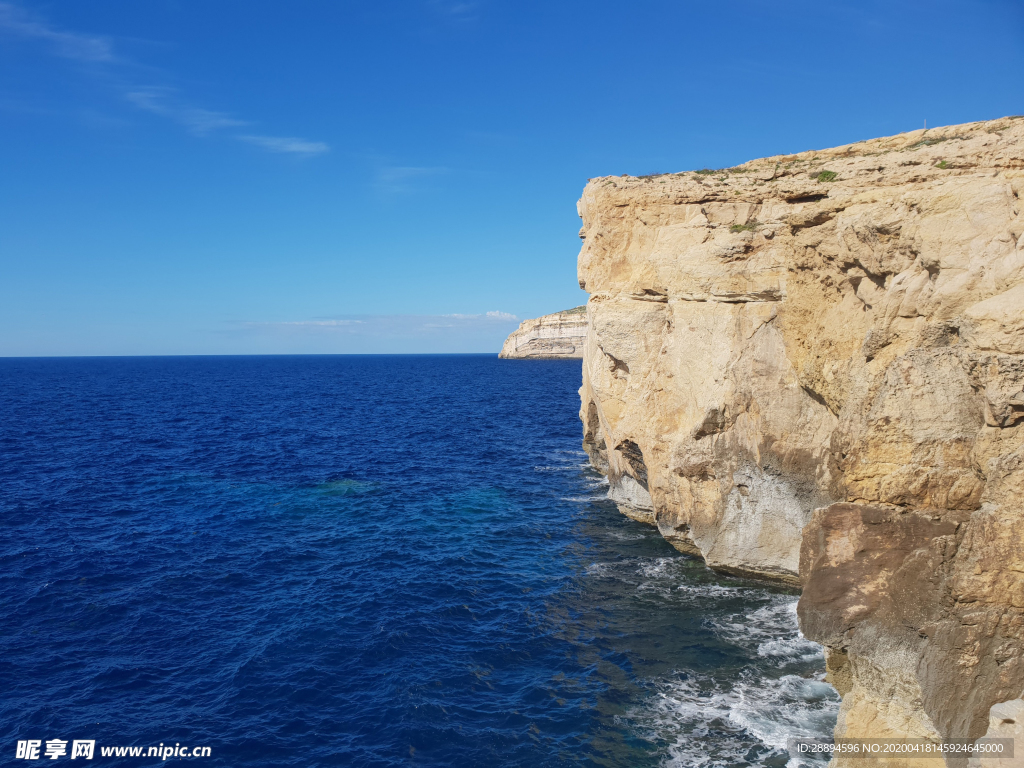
{"x": 268, "y": 354}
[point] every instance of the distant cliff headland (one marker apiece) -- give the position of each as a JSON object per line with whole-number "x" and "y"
{"x": 810, "y": 368}
{"x": 561, "y": 334}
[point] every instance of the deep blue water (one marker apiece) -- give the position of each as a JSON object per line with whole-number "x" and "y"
{"x": 365, "y": 561}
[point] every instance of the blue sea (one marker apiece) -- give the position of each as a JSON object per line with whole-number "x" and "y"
{"x": 362, "y": 561}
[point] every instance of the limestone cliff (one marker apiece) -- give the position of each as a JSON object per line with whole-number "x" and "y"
{"x": 561, "y": 334}
{"x": 811, "y": 368}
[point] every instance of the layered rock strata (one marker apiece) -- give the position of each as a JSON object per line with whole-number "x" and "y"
{"x": 811, "y": 368}
{"x": 561, "y": 334}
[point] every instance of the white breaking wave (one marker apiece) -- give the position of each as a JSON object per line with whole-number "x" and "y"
{"x": 772, "y": 632}
{"x": 659, "y": 568}
{"x": 600, "y": 569}
{"x": 710, "y": 721}
{"x": 626, "y": 536}
{"x": 706, "y": 723}
{"x": 668, "y": 576}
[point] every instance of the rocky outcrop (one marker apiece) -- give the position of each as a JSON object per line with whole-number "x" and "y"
{"x": 561, "y": 334}
{"x": 811, "y": 368}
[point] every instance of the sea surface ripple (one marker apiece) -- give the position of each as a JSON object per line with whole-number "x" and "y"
{"x": 365, "y": 561}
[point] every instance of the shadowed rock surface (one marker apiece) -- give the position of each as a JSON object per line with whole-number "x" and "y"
{"x": 561, "y": 334}
{"x": 811, "y": 368}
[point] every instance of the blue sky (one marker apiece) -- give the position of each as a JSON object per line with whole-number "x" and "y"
{"x": 241, "y": 176}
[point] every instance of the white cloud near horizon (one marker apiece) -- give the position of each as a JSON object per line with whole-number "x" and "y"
{"x": 386, "y": 325}
{"x": 374, "y": 334}
{"x": 306, "y": 323}
{"x": 370, "y": 334}
{"x": 158, "y": 100}
{"x": 493, "y": 315}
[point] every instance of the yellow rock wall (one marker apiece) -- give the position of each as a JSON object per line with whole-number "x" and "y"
{"x": 811, "y": 368}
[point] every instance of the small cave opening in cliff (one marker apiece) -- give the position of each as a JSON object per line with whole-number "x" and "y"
{"x": 812, "y": 198}
{"x": 593, "y": 435}
{"x": 635, "y": 458}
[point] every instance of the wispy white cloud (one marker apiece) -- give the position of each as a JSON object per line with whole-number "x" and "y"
{"x": 69, "y": 45}
{"x": 155, "y": 99}
{"x": 393, "y": 179}
{"x": 362, "y": 334}
{"x": 288, "y": 145}
{"x": 494, "y": 315}
{"x": 164, "y": 102}
{"x": 492, "y": 138}
{"x": 387, "y": 325}
{"x": 307, "y": 324}
{"x": 455, "y": 10}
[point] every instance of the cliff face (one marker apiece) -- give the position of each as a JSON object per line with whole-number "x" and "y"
{"x": 559, "y": 335}
{"x": 811, "y": 368}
